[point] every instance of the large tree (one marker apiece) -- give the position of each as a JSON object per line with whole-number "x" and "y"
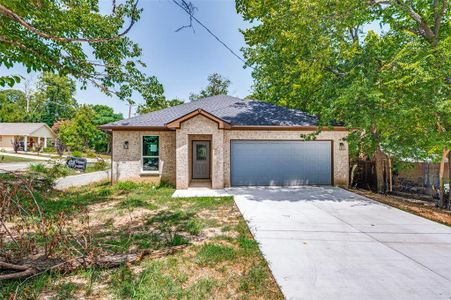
{"x": 73, "y": 38}
{"x": 153, "y": 94}
{"x": 79, "y": 133}
{"x": 12, "y": 103}
{"x": 55, "y": 98}
{"x": 390, "y": 86}
{"x": 217, "y": 85}
{"x": 103, "y": 114}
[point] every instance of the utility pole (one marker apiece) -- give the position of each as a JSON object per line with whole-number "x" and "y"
{"x": 130, "y": 104}
{"x": 28, "y": 90}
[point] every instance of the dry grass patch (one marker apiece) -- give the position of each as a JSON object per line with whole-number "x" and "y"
{"x": 220, "y": 261}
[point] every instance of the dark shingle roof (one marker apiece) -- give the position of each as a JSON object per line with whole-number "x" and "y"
{"x": 233, "y": 110}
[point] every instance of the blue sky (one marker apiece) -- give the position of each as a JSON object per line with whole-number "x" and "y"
{"x": 180, "y": 60}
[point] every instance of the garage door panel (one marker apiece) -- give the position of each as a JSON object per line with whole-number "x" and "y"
{"x": 280, "y": 162}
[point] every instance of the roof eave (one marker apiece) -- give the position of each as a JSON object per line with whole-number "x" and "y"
{"x": 176, "y": 123}
{"x": 132, "y": 128}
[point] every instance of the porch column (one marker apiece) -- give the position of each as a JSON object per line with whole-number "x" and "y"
{"x": 217, "y": 180}
{"x": 45, "y": 142}
{"x": 181, "y": 159}
{"x": 25, "y": 143}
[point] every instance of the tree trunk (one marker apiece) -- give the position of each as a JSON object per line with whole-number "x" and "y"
{"x": 379, "y": 158}
{"x": 449, "y": 178}
{"x": 441, "y": 202}
{"x": 390, "y": 175}
{"x": 354, "y": 167}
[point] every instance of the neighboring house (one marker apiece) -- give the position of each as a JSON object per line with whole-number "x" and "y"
{"x": 27, "y": 134}
{"x": 224, "y": 141}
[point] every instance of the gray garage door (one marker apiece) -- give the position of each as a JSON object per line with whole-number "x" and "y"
{"x": 280, "y": 162}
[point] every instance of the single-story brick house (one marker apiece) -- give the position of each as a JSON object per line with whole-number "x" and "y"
{"x": 224, "y": 141}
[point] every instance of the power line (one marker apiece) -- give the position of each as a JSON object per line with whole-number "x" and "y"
{"x": 189, "y": 9}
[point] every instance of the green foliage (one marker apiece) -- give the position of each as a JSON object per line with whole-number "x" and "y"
{"x": 154, "y": 98}
{"x": 153, "y": 105}
{"x": 100, "y": 165}
{"x": 390, "y": 87}
{"x": 217, "y": 85}
{"x": 80, "y": 132}
{"x": 55, "y": 97}
{"x": 49, "y": 150}
{"x": 74, "y": 38}
{"x": 51, "y": 171}
{"x": 104, "y": 114}
{"x": 77, "y": 153}
{"x": 12, "y": 104}
{"x": 126, "y": 186}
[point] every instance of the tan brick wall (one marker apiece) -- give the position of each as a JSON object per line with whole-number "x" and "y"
{"x": 196, "y": 126}
{"x": 175, "y": 151}
{"x": 127, "y": 164}
{"x": 340, "y": 157}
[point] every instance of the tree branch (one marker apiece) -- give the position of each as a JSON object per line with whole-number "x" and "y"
{"x": 438, "y": 17}
{"x": 107, "y": 261}
{"x": 425, "y": 31}
{"x": 13, "y": 16}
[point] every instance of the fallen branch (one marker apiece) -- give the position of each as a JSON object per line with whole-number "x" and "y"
{"x": 30, "y": 268}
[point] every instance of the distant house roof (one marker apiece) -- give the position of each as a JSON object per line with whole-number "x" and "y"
{"x": 235, "y": 111}
{"x": 21, "y": 129}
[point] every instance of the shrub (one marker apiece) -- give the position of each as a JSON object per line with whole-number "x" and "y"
{"x": 49, "y": 150}
{"x": 100, "y": 165}
{"x": 91, "y": 154}
{"x": 76, "y": 153}
{"x": 47, "y": 174}
{"x": 37, "y": 168}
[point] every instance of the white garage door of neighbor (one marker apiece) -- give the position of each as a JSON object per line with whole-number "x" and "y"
{"x": 282, "y": 163}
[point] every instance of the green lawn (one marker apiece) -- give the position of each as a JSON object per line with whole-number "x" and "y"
{"x": 221, "y": 260}
{"x": 11, "y": 159}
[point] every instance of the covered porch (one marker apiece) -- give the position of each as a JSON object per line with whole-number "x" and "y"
{"x": 31, "y": 143}
{"x": 26, "y": 136}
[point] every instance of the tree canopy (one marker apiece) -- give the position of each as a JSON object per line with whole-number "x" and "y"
{"x": 217, "y": 85}
{"x": 74, "y": 38}
{"x": 391, "y": 86}
{"x": 55, "y": 98}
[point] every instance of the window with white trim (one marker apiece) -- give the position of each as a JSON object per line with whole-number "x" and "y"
{"x": 151, "y": 153}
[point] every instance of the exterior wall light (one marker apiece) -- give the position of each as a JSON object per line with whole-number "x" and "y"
{"x": 126, "y": 145}
{"x": 342, "y": 146}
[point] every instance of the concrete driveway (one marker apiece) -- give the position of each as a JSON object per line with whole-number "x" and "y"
{"x": 328, "y": 243}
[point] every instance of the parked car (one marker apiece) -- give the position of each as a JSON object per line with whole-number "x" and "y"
{"x": 77, "y": 163}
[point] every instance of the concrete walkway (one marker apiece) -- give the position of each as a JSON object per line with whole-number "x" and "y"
{"x": 328, "y": 243}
